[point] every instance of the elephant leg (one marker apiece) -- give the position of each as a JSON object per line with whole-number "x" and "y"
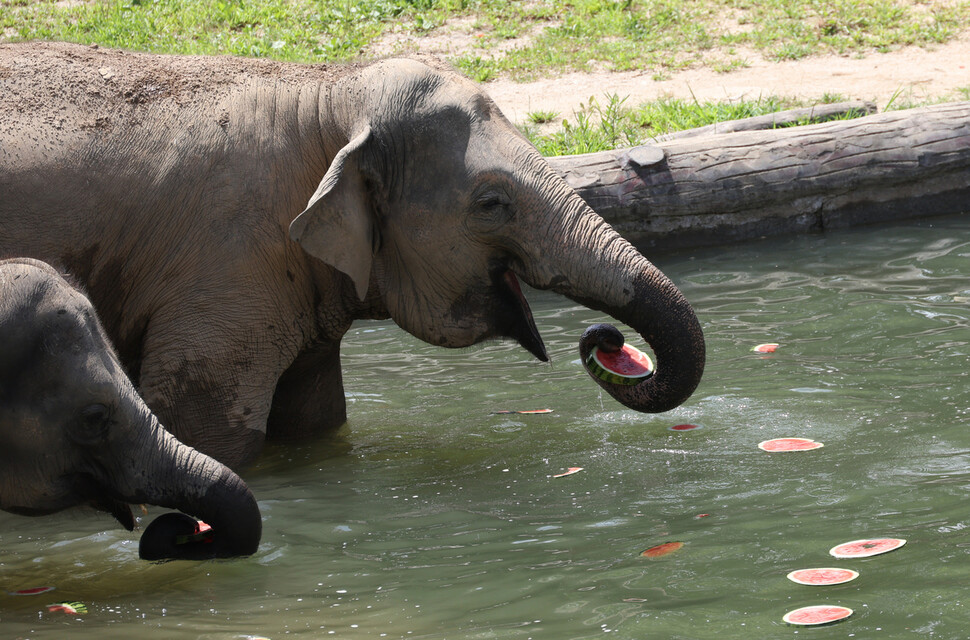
{"x": 210, "y": 388}
{"x": 309, "y": 399}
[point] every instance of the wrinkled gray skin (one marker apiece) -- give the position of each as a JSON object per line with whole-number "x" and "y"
{"x": 425, "y": 206}
{"x": 74, "y": 431}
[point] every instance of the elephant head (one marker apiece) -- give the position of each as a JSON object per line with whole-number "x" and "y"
{"x": 438, "y": 205}
{"x": 74, "y": 431}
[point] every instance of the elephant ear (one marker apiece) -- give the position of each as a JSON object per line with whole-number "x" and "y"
{"x": 337, "y": 225}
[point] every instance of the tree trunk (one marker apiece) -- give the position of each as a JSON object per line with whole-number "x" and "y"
{"x": 731, "y": 186}
{"x": 804, "y": 115}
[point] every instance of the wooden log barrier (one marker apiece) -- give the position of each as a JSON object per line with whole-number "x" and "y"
{"x": 803, "y": 115}
{"x": 719, "y": 188}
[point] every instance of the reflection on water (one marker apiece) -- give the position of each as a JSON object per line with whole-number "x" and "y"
{"x": 431, "y": 516}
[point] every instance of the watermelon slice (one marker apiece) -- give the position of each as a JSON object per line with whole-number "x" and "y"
{"x": 684, "y": 427}
{"x": 866, "y": 548}
{"x": 33, "y": 591}
{"x": 790, "y": 444}
{"x": 817, "y": 614}
{"x": 627, "y": 365}
{"x": 70, "y": 608}
{"x": 570, "y": 471}
{"x": 822, "y": 576}
{"x": 521, "y": 411}
{"x": 662, "y": 549}
{"x": 203, "y": 533}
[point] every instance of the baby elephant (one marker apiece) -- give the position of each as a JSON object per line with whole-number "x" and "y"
{"x": 73, "y": 430}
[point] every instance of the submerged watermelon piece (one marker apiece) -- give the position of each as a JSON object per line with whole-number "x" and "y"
{"x": 817, "y": 614}
{"x": 628, "y": 365}
{"x": 684, "y": 427}
{"x": 790, "y": 444}
{"x": 823, "y": 576}
{"x": 866, "y": 548}
{"x": 662, "y": 549}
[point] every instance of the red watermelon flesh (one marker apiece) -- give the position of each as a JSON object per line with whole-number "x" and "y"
{"x": 662, "y": 549}
{"x": 822, "y": 576}
{"x": 866, "y": 548}
{"x": 789, "y": 444}
{"x": 628, "y": 365}
{"x": 33, "y": 591}
{"x": 628, "y": 361}
{"x": 817, "y": 614}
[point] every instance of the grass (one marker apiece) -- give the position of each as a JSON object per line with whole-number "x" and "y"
{"x": 519, "y": 39}
{"x": 611, "y": 123}
{"x": 549, "y": 37}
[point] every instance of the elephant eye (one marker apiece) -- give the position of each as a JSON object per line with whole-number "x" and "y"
{"x": 92, "y": 424}
{"x": 493, "y": 202}
{"x": 493, "y": 209}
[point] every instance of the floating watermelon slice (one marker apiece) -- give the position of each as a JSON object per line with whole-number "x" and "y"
{"x": 768, "y": 347}
{"x": 627, "y": 365}
{"x": 522, "y": 411}
{"x": 570, "y": 471}
{"x": 70, "y": 608}
{"x": 684, "y": 427}
{"x": 866, "y": 548}
{"x": 790, "y": 444}
{"x": 817, "y": 614}
{"x": 33, "y": 591}
{"x": 662, "y": 549}
{"x": 822, "y": 576}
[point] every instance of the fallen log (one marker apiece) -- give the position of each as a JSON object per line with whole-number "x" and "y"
{"x": 802, "y": 115}
{"x": 732, "y": 186}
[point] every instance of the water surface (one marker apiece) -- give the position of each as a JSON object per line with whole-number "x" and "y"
{"x": 434, "y": 517}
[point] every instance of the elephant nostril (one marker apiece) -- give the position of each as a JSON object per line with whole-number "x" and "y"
{"x": 605, "y": 336}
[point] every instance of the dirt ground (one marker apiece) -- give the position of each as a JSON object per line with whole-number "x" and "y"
{"x": 914, "y": 73}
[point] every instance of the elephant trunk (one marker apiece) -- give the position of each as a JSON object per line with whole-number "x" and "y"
{"x": 599, "y": 269}
{"x": 179, "y": 477}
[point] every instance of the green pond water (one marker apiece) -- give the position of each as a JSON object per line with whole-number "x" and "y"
{"x": 435, "y": 517}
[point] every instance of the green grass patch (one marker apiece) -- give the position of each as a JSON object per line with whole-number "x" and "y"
{"x": 610, "y": 123}
{"x": 521, "y": 39}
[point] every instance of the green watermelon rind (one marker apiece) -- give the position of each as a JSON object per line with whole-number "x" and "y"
{"x": 598, "y": 370}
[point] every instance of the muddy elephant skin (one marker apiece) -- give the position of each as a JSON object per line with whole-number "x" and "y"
{"x": 230, "y": 218}
{"x": 74, "y": 431}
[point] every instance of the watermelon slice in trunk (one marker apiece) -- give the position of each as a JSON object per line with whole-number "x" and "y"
{"x": 627, "y": 365}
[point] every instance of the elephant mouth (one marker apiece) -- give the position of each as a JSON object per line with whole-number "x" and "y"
{"x": 516, "y": 320}
{"x": 103, "y": 499}
{"x": 120, "y": 510}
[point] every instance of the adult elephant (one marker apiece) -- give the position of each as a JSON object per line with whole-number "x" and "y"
{"x": 74, "y": 431}
{"x": 172, "y": 186}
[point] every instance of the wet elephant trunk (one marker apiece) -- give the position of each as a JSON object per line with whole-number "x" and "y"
{"x": 176, "y": 476}
{"x": 599, "y": 269}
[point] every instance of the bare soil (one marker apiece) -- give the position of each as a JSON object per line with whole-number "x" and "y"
{"x": 907, "y": 75}
{"x": 912, "y": 74}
